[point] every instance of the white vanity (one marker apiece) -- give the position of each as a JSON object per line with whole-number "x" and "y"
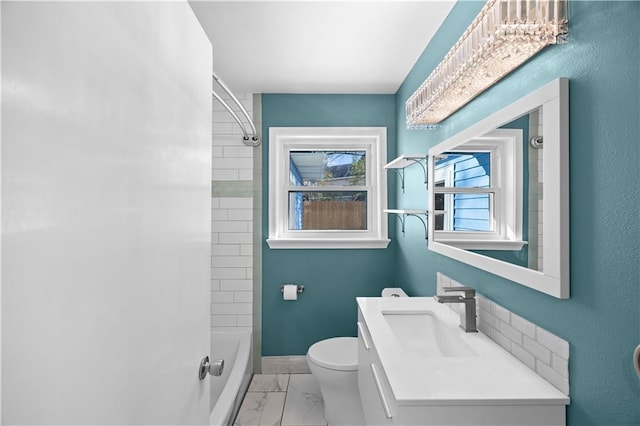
{"x": 418, "y": 367}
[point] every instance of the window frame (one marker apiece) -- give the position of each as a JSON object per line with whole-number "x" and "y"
{"x": 283, "y": 141}
{"x": 505, "y": 148}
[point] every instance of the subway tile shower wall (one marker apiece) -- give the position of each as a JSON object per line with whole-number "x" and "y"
{"x": 540, "y": 350}
{"x": 232, "y": 222}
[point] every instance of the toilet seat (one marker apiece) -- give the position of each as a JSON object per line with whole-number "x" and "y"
{"x": 338, "y": 353}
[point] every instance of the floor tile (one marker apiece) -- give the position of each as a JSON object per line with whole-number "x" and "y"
{"x": 303, "y": 406}
{"x": 269, "y": 383}
{"x": 261, "y": 408}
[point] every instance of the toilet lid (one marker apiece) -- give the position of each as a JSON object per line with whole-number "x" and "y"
{"x": 338, "y": 353}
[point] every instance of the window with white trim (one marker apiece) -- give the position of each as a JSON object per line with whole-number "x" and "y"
{"x": 327, "y": 188}
{"x": 478, "y": 193}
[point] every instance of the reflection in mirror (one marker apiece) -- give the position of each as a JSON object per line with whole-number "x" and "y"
{"x": 499, "y": 192}
{"x": 479, "y": 219}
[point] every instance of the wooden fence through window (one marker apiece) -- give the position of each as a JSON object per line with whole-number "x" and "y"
{"x": 349, "y": 215}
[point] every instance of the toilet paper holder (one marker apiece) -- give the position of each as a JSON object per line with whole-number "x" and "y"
{"x": 300, "y": 288}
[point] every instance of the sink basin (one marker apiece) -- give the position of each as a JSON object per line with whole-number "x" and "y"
{"x": 422, "y": 333}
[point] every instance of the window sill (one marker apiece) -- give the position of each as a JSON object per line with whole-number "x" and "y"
{"x": 511, "y": 245}
{"x": 326, "y": 243}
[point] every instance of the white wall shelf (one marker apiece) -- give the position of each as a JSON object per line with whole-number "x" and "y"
{"x": 404, "y": 161}
{"x": 402, "y": 215}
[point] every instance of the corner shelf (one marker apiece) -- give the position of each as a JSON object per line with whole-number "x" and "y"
{"x": 400, "y": 163}
{"x": 402, "y": 215}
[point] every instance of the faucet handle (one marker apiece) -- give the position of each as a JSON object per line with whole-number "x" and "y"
{"x": 469, "y": 292}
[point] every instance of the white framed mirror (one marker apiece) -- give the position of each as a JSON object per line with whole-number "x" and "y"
{"x": 499, "y": 192}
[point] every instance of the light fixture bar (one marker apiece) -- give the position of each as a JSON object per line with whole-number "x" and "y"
{"x": 504, "y": 35}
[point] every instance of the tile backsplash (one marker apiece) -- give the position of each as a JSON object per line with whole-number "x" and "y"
{"x": 541, "y": 351}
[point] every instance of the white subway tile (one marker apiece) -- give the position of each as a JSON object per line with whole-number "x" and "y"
{"x": 222, "y": 117}
{"x": 537, "y": 350}
{"x": 231, "y": 262}
{"x": 214, "y": 238}
{"x": 511, "y": 333}
{"x": 230, "y": 226}
{"x": 217, "y": 152}
{"x": 226, "y": 273}
{"x": 249, "y": 273}
{"x": 231, "y": 308}
{"x": 500, "y": 312}
{"x": 243, "y": 296}
{"x": 238, "y": 151}
{"x": 224, "y": 174}
{"x": 215, "y": 285}
{"x": 245, "y": 174}
{"x": 525, "y": 357}
{"x": 246, "y": 250}
{"x": 222, "y": 297}
{"x": 552, "y": 377}
{"x": 224, "y": 320}
{"x": 245, "y": 320}
{"x": 489, "y": 319}
{"x": 241, "y": 214}
{"x": 501, "y": 339}
{"x": 233, "y": 163}
{"x": 235, "y": 237}
{"x": 553, "y": 342}
{"x": 236, "y": 285}
{"x": 560, "y": 365}
{"x": 215, "y": 203}
{"x": 226, "y": 138}
{"x": 225, "y": 250}
{"x": 236, "y": 203}
{"x": 219, "y": 214}
{"x": 522, "y": 325}
{"x": 220, "y": 129}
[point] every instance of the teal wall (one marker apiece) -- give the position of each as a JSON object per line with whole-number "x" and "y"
{"x": 332, "y": 279}
{"x": 601, "y": 320}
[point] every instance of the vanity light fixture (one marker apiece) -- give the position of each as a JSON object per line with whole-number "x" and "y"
{"x": 504, "y": 35}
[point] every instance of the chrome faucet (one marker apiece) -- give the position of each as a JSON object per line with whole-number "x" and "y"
{"x": 468, "y": 314}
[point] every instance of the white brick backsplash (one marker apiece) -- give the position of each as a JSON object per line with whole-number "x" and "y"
{"x": 240, "y": 151}
{"x": 511, "y": 333}
{"x": 541, "y": 351}
{"x": 245, "y": 174}
{"x": 245, "y": 320}
{"x": 553, "y": 343}
{"x": 233, "y": 163}
{"x": 219, "y": 214}
{"x": 246, "y": 249}
{"x": 215, "y": 285}
{"x": 523, "y": 326}
{"x": 231, "y": 308}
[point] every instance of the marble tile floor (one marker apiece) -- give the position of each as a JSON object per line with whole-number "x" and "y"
{"x": 282, "y": 400}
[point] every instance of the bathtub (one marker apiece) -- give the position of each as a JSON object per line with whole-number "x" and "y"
{"x": 228, "y": 389}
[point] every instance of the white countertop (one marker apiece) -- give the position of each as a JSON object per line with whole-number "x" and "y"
{"x": 492, "y": 377}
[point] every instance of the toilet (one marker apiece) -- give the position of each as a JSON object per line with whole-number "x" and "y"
{"x": 334, "y": 364}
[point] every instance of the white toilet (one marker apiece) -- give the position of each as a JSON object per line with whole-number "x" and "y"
{"x": 334, "y": 364}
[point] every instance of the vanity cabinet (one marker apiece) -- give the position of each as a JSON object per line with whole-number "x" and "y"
{"x": 486, "y": 386}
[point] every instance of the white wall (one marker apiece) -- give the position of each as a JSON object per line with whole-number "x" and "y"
{"x": 106, "y": 160}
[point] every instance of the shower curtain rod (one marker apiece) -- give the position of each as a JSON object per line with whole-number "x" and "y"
{"x": 249, "y": 140}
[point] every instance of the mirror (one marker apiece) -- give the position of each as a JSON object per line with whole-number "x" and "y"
{"x": 498, "y": 192}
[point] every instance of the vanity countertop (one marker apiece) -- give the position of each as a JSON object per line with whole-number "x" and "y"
{"x": 488, "y": 375}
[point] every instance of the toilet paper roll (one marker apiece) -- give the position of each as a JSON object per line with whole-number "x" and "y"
{"x": 290, "y": 292}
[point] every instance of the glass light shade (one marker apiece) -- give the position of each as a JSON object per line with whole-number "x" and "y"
{"x": 504, "y": 35}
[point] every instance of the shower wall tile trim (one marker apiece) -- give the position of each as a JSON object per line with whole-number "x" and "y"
{"x": 232, "y": 226}
{"x": 541, "y": 351}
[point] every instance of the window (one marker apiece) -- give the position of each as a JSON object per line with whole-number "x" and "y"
{"x": 478, "y": 193}
{"x": 326, "y": 187}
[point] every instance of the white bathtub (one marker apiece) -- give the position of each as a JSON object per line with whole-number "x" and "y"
{"x": 228, "y": 390}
